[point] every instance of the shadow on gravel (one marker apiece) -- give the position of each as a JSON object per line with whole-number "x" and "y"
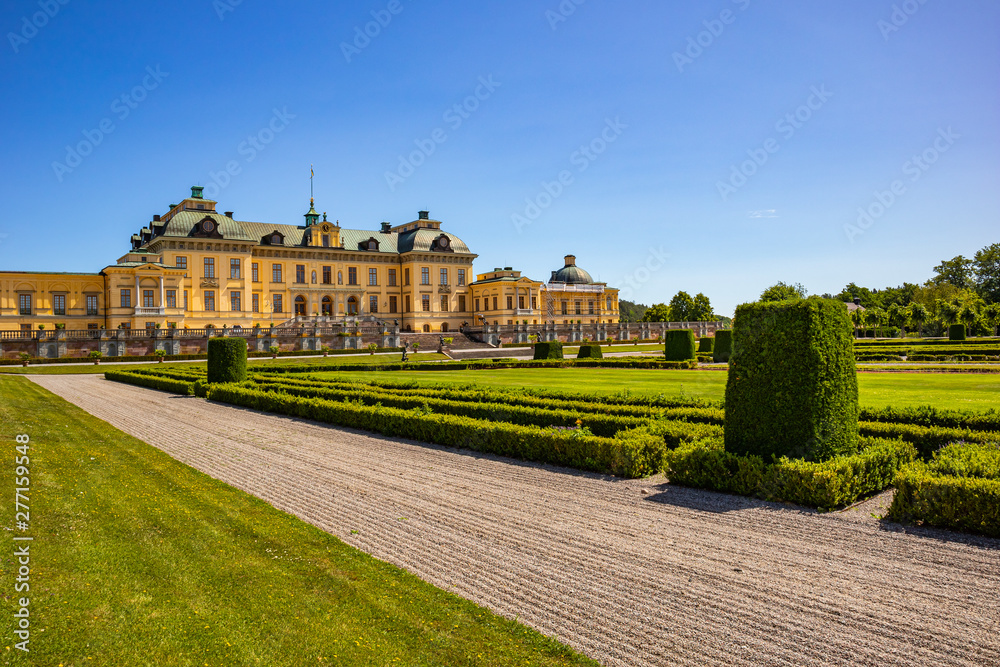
{"x": 940, "y": 534}
{"x": 703, "y": 500}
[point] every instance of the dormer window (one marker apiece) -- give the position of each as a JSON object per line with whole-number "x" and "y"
{"x": 276, "y": 238}
{"x": 442, "y": 244}
{"x": 371, "y": 244}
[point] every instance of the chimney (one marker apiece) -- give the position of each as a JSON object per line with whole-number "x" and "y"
{"x": 424, "y": 215}
{"x": 508, "y": 268}
{"x": 156, "y": 218}
{"x": 229, "y": 214}
{"x": 386, "y": 227}
{"x": 570, "y": 260}
{"x": 196, "y": 191}
{"x": 857, "y": 301}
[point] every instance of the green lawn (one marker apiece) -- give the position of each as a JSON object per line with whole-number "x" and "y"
{"x": 140, "y": 560}
{"x": 944, "y": 390}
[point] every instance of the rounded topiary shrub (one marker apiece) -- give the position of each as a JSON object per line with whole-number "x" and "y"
{"x": 706, "y": 344}
{"x": 227, "y": 360}
{"x": 792, "y": 388}
{"x": 956, "y": 332}
{"x": 679, "y": 345}
{"x": 551, "y": 350}
{"x": 723, "y": 348}
{"x": 590, "y": 352}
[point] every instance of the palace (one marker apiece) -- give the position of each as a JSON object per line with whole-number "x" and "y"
{"x": 196, "y": 268}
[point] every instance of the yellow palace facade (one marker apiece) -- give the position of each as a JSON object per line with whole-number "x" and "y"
{"x": 195, "y": 267}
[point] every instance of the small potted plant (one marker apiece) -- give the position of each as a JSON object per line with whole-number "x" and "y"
{"x": 41, "y": 327}
{"x": 372, "y": 347}
{"x": 160, "y": 354}
{"x": 96, "y": 356}
{"x": 274, "y": 349}
{"x": 60, "y": 326}
{"x": 24, "y": 358}
{"x": 326, "y": 351}
{"x": 416, "y": 346}
{"x": 610, "y": 341}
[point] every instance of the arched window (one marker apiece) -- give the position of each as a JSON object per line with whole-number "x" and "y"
{"x": 300, "y": 306}
{"x": 444, "y": 326}
{"x": 427, "y": 328}
{"x": 352, "y": 306}
{"x": 327, "y": 306}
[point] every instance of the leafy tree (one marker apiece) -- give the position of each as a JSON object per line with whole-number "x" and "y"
{"x": 987, "y": 269}
{"x": 918, "y": 315}
{"x": 631, "y": 312}
{"x": 948, "y": 311}
{"x": 957, "y": 271}
{"x": 658, "y": 312}
{"x": 682, "y": 308}
{"x": 702, "y": 309}
{"x": 991, "y": 316}
{"x": 898, "y": 316}
{"x": 969, "y": 315}
{"x": 783, "y": 292}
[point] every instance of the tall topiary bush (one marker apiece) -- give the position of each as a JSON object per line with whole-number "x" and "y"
{"x": 590, "y": 352}
{"x": 706, "y": 344}
{"x": 551, "y": 350}
{"x": 723, "y": 346}
{"x": 793, "y": 386}
{"x": 227, "y": 360}
{"x": 679, "y": 345}
{"x": 956, "y": 332}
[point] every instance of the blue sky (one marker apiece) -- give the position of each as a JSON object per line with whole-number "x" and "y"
{"x": 712, "y": 147}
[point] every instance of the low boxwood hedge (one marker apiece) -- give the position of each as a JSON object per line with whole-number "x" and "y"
{"x": 151, "y": 381}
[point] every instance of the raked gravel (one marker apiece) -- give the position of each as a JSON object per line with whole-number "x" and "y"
{"x": 629, "y": 572}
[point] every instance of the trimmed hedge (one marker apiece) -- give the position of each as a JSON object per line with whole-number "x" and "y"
{"x": 927, "y": 415}
{"x": 792, "y": 388}
{"x": 678, "y": 345}
{"x": 723, "y": 347}
{"x": 706, "y": 344}
{"x": 827, "y": 485}
{"x": 227, "y": 360}
{"x": 629, "y": 455}
{"x": 927, "y": 439}
{"x": 590, "y": 351}
{"x": 551, "y": 350}
{"x": 151, "y": 381}
{"x": 480, "y": 364}
{"x": 958, "y": 489}
{"x": 956, "y": 332}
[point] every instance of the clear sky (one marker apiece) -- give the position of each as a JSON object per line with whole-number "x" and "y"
{"x": 712, "y": 147}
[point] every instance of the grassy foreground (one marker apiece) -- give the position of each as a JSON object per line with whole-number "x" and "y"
{"x": 958, "y": 391}
{"x": 138, "y": 559}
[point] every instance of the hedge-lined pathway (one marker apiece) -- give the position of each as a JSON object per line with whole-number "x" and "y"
{"x": 672, "y": 577}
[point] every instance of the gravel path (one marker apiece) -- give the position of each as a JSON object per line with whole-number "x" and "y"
{"x": 630, "y": 572}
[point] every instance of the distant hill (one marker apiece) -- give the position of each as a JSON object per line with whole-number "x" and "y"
{"x": 631, "y": 312}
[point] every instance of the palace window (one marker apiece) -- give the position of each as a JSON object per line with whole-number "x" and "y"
{"x": 609, "y": 303}
{"x": 461, "y": 277}
{"x": 393, "y": 304}
{"x": 91, "y": 304}
{"x": 327, "y": 275}
{"x": 392, "y": 278}
{"x": 510, "y": 303}
{"x": 255, "y": 303}
{"x": 494, "y": 303}
{"x": 326, "y": 240}
{"x": 126, "y": 298}
{"x": 520, "y": 302}
{"x": 406, "y": 276}
{"x": 171, "y": 298}
{"x": 408, "y": 309}
{"x": 234, "y": 269}
{"x": 425, "y": 276}
{"x": 461, "y": 303}
{"x": 255, "y": 272}
{"x": 300, "y": 273}
{"x": 209, "y": 267}
{"x": 147, "y": 298}
{"x": 590, "y": 307}
{"x": 444, "y": 276}
{"x": 425, "y": 303}
{"x": 373, "y": 304}
{"x": 477, "y": 305}
{"x": 59, "y": 304}
{"x": 578, "y": 306}
{"x": 278, "y": 305}
{"x": 352, "y": 275}
{"x": 276, "y": 273}
{"x": 234, "y": 302}
{"x": 534, "y": 303}
{"x": 181, "y": 262}
{"x": 564, "y": 308}
{"x": 210, "y": 300}
{"x": 444, "y": 304}
{"x": 373, "y": 278}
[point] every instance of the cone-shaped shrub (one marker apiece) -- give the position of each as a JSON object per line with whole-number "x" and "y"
{"x": 723, "y": 346}
{"x": 793, "y": 386}
{"x": 551, "y": 350}
{"x": 227, "y": 360}
{"x": 679, "y": 345}
{"x": 590, "y": 352}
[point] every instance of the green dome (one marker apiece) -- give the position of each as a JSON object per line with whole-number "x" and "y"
{"x": 571, "y": 273}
